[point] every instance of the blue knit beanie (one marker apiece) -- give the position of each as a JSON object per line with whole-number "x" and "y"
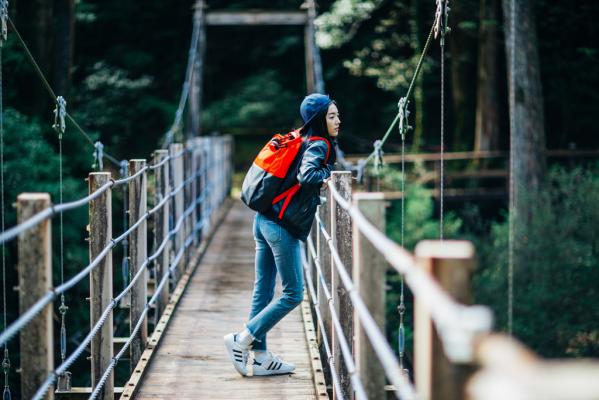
{"x": 313, "y": 105}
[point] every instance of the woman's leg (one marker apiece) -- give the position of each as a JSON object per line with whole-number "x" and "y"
{"x": 264, "y": 283}
{"x": 286, "y": 252}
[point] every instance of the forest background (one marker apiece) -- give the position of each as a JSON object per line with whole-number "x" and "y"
{"x": 121, "y": 64}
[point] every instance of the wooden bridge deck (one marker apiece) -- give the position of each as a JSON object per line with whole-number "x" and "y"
{"x": 190, "y": 361}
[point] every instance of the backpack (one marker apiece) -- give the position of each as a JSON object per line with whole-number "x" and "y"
{"x": 266, "y": 179}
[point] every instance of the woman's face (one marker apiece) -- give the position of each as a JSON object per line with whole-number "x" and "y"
{"x": 333, "y": 121}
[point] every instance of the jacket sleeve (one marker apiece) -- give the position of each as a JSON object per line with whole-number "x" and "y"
{"x": 312, "y": 170}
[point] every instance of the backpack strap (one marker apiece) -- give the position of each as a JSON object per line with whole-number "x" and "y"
{"x": 311, "y": 138}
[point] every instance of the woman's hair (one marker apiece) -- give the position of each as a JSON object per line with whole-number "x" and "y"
{"x": 318, "y": 125}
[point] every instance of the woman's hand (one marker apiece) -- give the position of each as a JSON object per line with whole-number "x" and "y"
{"x": 326, "y": 182}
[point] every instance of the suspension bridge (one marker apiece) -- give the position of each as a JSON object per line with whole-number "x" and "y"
{"x": 188, "y": 267}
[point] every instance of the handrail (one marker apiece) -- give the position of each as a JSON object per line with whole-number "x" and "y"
{"x": 405, "y": 390}
{"x": 458, "y": 325}
{"x": 51, "y": 211}
{"x": 34, "y": 310}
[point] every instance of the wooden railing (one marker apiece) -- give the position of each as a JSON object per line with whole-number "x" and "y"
{"x": 456, "y": 356}
{"x": 190, "y": 184}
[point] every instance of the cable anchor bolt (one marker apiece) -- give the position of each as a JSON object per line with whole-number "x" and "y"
{"x": 64, "y": 382}
{"x": 60, "y": 113}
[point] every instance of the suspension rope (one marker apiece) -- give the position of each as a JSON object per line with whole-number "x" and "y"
{"x": 6, "y": 360}
{"x": 59, "y": 126}
{"x": 193, "y": 51}
{"x": 125, "y": 262}
{"x": 442, "y": 25}
{"x": 401, "y": 308}
{"x": 49, "y": 89}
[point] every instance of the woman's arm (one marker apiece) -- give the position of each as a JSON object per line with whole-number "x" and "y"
{"x": 312, "y": 170}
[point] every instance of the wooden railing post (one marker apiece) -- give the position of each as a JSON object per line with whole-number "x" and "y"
{"x": 341, "y": 233}
{"x": 186, "y": 203}
{"x": 193, "y": 187}
{"x": 138, "y": 253}
{"x": 35, "y": 280}
{"x": 369, "y": 269}
{"x": 100, "y": 280}
{"x": 161, "y": 226}
{"x": 207, "y": 183}
{"x": 177, "y": 202}
{"x": 324, "y": 256}
{"x": 451, "y": 264}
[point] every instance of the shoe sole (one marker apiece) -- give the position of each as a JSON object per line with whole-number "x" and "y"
{"x": 229, "y": 340}
{"x": 272, "y": 372}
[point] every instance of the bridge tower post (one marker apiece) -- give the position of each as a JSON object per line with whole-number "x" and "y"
{"x": 341, "y": 233}
{"x": 161, "y": 226}
{"x": 369, "y": 268}
{"x": 100, "y": 281}
{"x": 35, "y": 280}
{"x": 138, "y": 253}
{"x": 324, "y": 257}
{"x": 451, "y": 264}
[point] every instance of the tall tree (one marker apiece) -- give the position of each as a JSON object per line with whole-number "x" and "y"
{"x": 42, "y": 26}
{"x": 462, "y": 46}
{"x": 487, "y": 105}
{"x": 528, "y": 125}
{"x": 64, "y": 44}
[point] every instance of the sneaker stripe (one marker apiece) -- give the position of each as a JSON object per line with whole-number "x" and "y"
{"x": 279, "y": 366}
{"x": 269, "y": 365}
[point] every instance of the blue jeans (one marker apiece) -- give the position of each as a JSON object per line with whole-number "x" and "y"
{"x": 276, "y": 251}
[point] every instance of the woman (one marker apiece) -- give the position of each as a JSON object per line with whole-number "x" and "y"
{"x": 278, "y": 240}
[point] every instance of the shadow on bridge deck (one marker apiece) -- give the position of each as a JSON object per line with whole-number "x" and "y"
{"x": 191, "y": 360}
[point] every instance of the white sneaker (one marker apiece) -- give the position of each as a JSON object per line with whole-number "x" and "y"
{"x": 272, "y": 365}
{"x": 237, "y": 353}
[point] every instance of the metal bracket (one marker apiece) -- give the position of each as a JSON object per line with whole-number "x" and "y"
{"x": 404, "y": 113}
{"x": 98, "y": 156}
{"x": 60, "y": 113}
{"x": 4, "y": 21}
{"x": 64, "y": 382}
{"x": 442, "y": 20}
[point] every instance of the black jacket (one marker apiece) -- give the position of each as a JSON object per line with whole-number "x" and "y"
{"x": 310, "y": 171}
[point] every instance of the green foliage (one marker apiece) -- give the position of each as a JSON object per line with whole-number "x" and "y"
{"x": 255, "y": 103}
{"x": 556, "y": 268}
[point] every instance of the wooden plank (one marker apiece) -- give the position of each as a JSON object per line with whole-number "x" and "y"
{"x": 100, "y": 281}
{"x": 140, "y": 368}
{"x": 369, "y": 270}
{"x": 315, "y": 361}
{"x": 256, "y": 17}
{"x": 138, "y": 253}
{"x": 35, "y": 280}
{"x": 82, "y": 393}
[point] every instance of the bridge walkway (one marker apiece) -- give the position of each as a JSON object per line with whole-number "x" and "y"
{"x": 190, "y": 361}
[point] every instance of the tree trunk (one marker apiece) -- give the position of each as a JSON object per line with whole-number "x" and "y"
{"x": 41, "y": 28}
{"x": 65, "y": 38}
{"x": 418, "y": 121}
{"x": 462, "y": 44}
{"x": 528, "y": 118}
{"x": 487, "y": 105}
